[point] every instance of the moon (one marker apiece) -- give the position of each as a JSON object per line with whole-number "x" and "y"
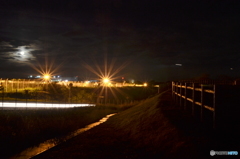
{"x": 22, "y": 52}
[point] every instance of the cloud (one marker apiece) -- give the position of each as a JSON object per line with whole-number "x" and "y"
{"x": 17, "y": 55}
{"x": 150, "y": 36}
{"x": 5, "y": 44}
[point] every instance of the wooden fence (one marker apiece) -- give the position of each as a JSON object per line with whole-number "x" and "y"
{"x": 216, "y": 102}
{"x": 200, "y": 95}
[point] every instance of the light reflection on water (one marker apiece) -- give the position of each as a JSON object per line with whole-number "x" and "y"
{"x": 33, "y": 151}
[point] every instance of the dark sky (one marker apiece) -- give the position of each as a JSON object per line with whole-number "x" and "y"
{"x": 142, "y": 40}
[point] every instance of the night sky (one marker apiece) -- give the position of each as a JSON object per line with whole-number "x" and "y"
{"x": 141, "y": 40}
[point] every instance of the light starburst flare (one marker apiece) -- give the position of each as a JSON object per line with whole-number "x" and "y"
{"x": 47, "y": 70}
{"x": 106, "y": 75}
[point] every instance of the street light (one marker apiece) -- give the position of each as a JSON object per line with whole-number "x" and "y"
{"x": 106, "y": 80}
{"x": 46, "y": 77}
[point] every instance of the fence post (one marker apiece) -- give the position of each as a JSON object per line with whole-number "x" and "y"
{"x": 193, "y": 98}
{"x": 23, "y": 84}
{"x": 173, "y": 91}
{"x": 6, "y": 81}
{"x": 185, "y": 93}
{"x": 18, "y": 84}
{"x": 180, "y": 100}
{"x": 214, "y": 106}
{"x": 12, "y": 85}
{"x": 16, "y": 99}
{"x": 2, "y": 97}
{"x": 176, "y": 93}
{"x": 202, "y": 105}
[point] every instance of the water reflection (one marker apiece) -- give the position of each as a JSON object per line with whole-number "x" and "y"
{"x": 33, "y": 151}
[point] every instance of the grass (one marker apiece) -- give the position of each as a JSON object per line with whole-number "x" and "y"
{"x": 149, "y": 129}
{"x": 154, "y": 128}
{"x": 20, "y": 129}
{"x": 59, "y": 93}
{"x": 162, "y": 129}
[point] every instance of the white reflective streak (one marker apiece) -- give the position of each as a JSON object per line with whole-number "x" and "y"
{"x": 42, "y": 105}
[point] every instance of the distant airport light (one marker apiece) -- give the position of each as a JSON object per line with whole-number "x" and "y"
{"x": 145, "y": 84}
{"x": 106, "y": 80}
{"x": 86, "y": 83}
{"x": 46, "y": 77}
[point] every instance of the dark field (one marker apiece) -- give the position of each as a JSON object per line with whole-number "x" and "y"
{"x": 54, "y": 93}
{"x": 20, "y": 129}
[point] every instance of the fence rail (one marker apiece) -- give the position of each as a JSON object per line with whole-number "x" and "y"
{"x": 198, "y": 95}
{"x": 216, "y": 103}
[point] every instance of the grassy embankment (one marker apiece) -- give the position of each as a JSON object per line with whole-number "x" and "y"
{"x": 154, "y": 128}
{"x": 164, "y": 130}
{"x": 151, "y": 132}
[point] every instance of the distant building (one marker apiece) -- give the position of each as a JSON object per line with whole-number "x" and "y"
{"x": 69, "y": 78}
{"x": 56, "y": 78}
